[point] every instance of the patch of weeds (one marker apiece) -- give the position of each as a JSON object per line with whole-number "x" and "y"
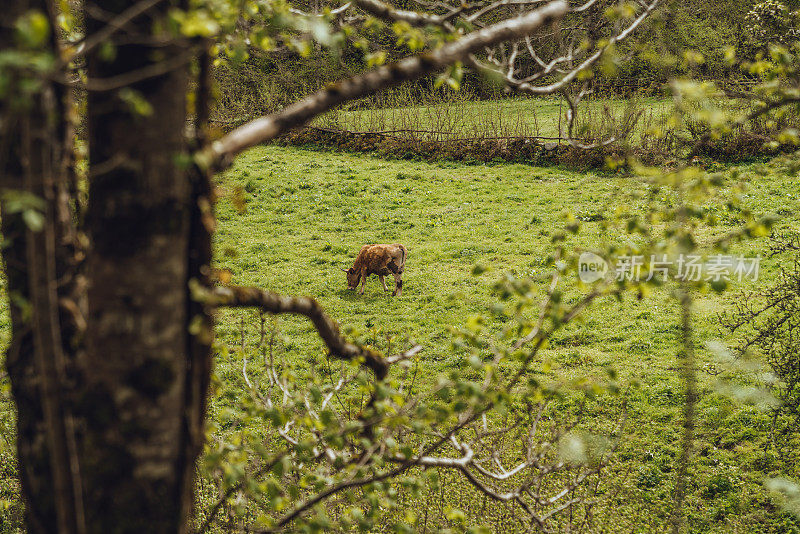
{"x": 575, "y": 339}
{"x": 407, "y": 176}
{"x": 639, "y": 346}
{"x": 719, "y": 484}
{"x": 648, "y": 476}
{"x": 574, "y": 359}
{"x": 592, "y": 217}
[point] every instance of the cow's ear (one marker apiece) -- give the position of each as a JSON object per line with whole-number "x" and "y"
{"x": 345, "y": 270}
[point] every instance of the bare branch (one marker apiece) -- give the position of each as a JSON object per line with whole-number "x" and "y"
{"x": 152, "y": 70}
{"x": 334, "y": 12}
{"x": 212, "y": 514}
{"x": 524, "y": 86}
{"x": 410, "y": 353}
{"x": 491, "y": 7}
{"x": 584, "y": 7}
{"x": 572, "y": 114}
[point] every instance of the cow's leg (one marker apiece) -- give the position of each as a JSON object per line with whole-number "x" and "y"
{"x": 363, "y": 281}
{"x": 398, "y": 284}
{"x": 383, "y": 282}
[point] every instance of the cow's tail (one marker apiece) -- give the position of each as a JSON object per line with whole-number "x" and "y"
{"x": 403, "y": 259}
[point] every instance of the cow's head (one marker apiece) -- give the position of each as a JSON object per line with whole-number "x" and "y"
{"x": 353, "y": 277}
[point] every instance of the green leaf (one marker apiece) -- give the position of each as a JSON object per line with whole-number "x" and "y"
{"x": 787, "y": 492}
{"x": 137, "y": 103}
{"x": 107, "y": 51}
{"x": 34, "y": 220}
{"x": 196, "y": 23}
{"x": 32, "y": 29}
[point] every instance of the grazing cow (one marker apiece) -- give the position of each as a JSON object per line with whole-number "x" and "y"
{"x": 381, "y": 260}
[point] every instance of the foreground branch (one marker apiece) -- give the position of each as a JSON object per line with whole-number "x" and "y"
{"x": 221, "y": 153}
{"x": 274, "y": 303}
{"x": 387, "y": 12}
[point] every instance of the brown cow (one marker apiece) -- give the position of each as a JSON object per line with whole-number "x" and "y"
{"x": 381, "y": 260}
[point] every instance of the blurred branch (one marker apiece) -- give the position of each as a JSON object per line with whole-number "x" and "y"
{"x": 152, "y": 70}
{"x": 531, "y": 471}
{"x": 491, "y": 7}
{"x": 221, "y": 153}
{"x": 384, "y": 11}
{"x": 116, "y": 24}
{"x": 333, "y": 12}
{"x": 767, "y": 106}
{"x": 212, "y": 514}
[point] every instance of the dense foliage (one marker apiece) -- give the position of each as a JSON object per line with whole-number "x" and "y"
{"x": 683, "y": 38}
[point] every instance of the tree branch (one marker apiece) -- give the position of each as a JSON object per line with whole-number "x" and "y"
{"x": 334, "y": 12}
{"x": 118, "y": 23}
{"x": 274, "y": 303}
{"x": 221, "y": 153}
{"x": 214, "y": 510}
{"x": 387, "y": 12}
{"x": 524, "y": 86}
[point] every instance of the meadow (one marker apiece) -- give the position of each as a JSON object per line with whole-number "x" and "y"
{"x": 290, "y": 219}
{"x": 306, "y": 214}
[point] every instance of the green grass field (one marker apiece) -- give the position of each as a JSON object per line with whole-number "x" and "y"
{"x": 308, "y": 212}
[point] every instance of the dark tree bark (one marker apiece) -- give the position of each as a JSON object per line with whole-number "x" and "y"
{"x": 142, "y": 395}
{"x": 33, "y": 162}
{"x": 110, "y": 423}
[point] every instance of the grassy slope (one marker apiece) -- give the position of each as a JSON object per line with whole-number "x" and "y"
{"x": 309, "y": 212}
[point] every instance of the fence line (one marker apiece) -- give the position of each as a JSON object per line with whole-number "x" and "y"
{"x": 388, "y": 133}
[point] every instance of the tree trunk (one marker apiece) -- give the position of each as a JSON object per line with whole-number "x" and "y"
{"x": 140, "y": 399}
{"x": 110, "y": 423}
{"x": 32, "y": 166}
